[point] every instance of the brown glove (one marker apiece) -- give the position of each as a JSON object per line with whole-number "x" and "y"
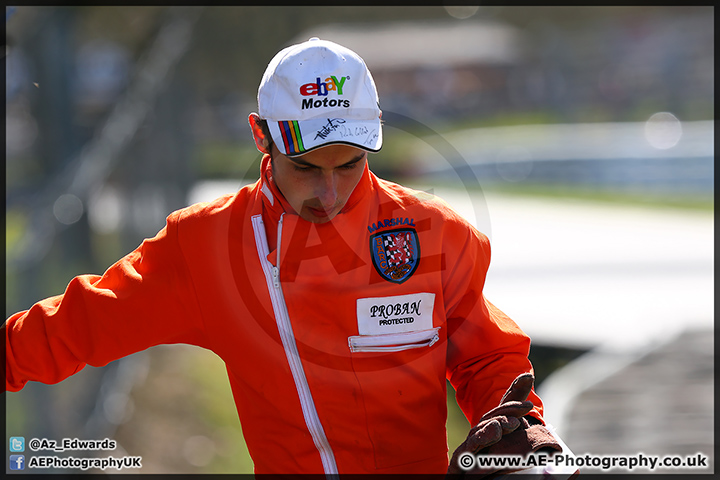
{"x": 525, "y": 440}
{"x": 530, "y": 437}
{"x": 493, "y": 426}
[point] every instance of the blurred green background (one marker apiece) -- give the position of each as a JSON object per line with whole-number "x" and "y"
{"x": 116, "y": 116}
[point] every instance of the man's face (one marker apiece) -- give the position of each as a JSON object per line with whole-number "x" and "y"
{"x": 318, "y": 184}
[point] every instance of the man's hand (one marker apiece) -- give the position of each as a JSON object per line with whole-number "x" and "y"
{"x": 520, "y": 388}
{"x": 499, "y": 421}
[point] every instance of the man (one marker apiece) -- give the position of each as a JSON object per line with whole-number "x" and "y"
{"x": 339, "y": 302}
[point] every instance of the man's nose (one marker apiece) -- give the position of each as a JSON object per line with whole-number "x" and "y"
{"x": 327, "y": 189}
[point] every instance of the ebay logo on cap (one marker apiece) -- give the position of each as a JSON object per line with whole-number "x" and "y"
{"x": 322, "y": 88}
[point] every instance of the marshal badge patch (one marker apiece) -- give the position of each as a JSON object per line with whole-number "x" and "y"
{"x": 395, "y": 254}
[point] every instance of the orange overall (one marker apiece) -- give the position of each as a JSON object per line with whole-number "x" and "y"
{"x": 338, "y": 337}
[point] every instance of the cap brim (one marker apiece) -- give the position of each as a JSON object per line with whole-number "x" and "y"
{"x": 295, "y": 138}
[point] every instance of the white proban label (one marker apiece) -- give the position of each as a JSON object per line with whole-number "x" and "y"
{"x": 401, "y": 313}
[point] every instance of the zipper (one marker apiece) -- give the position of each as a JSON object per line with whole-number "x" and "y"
{"x": 394, "y": 342}
{"x": 272, "y": 277}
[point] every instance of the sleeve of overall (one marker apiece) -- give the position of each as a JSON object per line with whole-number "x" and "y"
{"x": 486, "y": 349}
{"x": 144, "y": 299}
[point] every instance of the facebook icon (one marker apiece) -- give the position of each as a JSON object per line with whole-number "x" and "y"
{"x": 17, "y": 462}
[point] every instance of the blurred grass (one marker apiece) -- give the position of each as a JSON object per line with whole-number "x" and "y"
{"x": 184, "y": 419}
{"x": 217, "y": 411}
{"x": 15, "y": 224}
{"x": 15, "y": 415}
{"x": 217, "y": 160}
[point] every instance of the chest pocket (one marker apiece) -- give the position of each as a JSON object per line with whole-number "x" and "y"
{"x": 394, "y": 324}
{"x": 394, "y": 342}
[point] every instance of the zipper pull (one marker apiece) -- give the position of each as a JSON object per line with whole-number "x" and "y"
{"x": 276, "y": 277}
{"x": 276, "y": 270}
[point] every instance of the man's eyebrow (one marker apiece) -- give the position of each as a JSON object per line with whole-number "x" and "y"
{"x": 300, "y": 161}
{"x": 304, "y": 163}
{"x": 359, "y": 157}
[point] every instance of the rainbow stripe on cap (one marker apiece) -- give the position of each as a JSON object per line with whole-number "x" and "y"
{"x": 292, "y": 138}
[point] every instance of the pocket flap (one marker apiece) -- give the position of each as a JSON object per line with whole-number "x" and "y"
{"x": 393, "y": 342}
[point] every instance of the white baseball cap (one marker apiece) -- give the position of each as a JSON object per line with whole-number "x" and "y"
{"x": 319, "y": 93}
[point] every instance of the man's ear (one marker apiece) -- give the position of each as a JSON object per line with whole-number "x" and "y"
{"x": 262, "y": 142}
